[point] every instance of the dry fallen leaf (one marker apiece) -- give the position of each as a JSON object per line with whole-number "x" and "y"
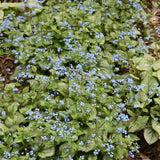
{"x": 144, "y": 157}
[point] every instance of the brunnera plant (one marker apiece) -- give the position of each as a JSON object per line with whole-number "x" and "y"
{"x": 73, "y": 103}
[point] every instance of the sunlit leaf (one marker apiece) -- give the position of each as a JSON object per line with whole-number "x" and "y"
{"x": 156, "y": 65}
{"x": 150, "y": 135}
{"x": 47, "y": 152}
{"x": 144, "y": 62}
{"x": 138, "y": 124}
{"x": 15, "y": 119}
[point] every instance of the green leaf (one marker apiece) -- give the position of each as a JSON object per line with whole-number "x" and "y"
{"x": 96, "y": 18}
{"x": 138, "y": 124}
{"x": 2, "y": 147}
{"x": 104, "y": 66}
{"x": 13, "y": 107}
{"x": 156, "y": 100}
{"x": 9, "y": 87}
{"x": 121, "y": 151}
{"x": 63, "y": 148}
{"x": 16, "y": 119}
{"x": 145, "y": 110}
{"x": 3, "y": 127}
{"x": 142, "y": 96}
{"x": 13, "y": 127}
{"x": 131, "y": 113}
{"x": 1, "y": 14}
{"x": 148, "y": 80}
{"x": 34, "y": 69}
{"x": 155, "y": 111}
{"x": 92, "y": 114}
{"x": 143, "y": 63}
{"x": 108, "y": 47}
{"x": 140, "y": 105}
{"x": 155, "y": 46}
{"x": 156, "y": 126}
{"x": 31, "y": 132}
{"x": 133, "y": 43}
{"x": 18, "y": 139}
{"x": 92, "y": 157}
{"x": 28, "y": 28}
{"x": 62, "y": 88}
{"x": 134, "y": 137}
{"x": 150, "y": 135}
{"x": 18, "y": 70}
{"x": 157, "y": 74}
{"x": 133, "y": 76}
{"x": 156, "y": 65}
{"x": 16, "y": 6}
{"x": 90, "y": 146}
{"x": 47, "y": 152}
{"x": 25, "y": 90}
{"x": 136, "y": 31}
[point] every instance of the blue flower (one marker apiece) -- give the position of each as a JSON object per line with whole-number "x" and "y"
{"x": 81, "y": 143}
{"x": 150, "y": 92}
{"x": 93, "y": 135}
{"x": 3, "y": 112}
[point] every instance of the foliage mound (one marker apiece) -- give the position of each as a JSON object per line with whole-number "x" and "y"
{"x": 87, "y": 81}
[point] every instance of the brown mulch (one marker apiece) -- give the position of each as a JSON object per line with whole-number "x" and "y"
{"x": 7, "y": 67}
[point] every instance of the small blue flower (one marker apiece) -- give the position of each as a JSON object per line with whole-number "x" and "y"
{"x": 61, "y": 101}
{"x": 150, "y": 92}
{"x": 81, "y": 143}
{"x": 3, "y": 112}
{"x": 149, "y": 100}
{"x": 93, "y": 135}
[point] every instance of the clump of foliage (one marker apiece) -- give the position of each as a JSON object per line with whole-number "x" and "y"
{"x": 78, "y": 97}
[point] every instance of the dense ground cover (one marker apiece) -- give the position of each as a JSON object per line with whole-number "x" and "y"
{"x": 85, "y": 84}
